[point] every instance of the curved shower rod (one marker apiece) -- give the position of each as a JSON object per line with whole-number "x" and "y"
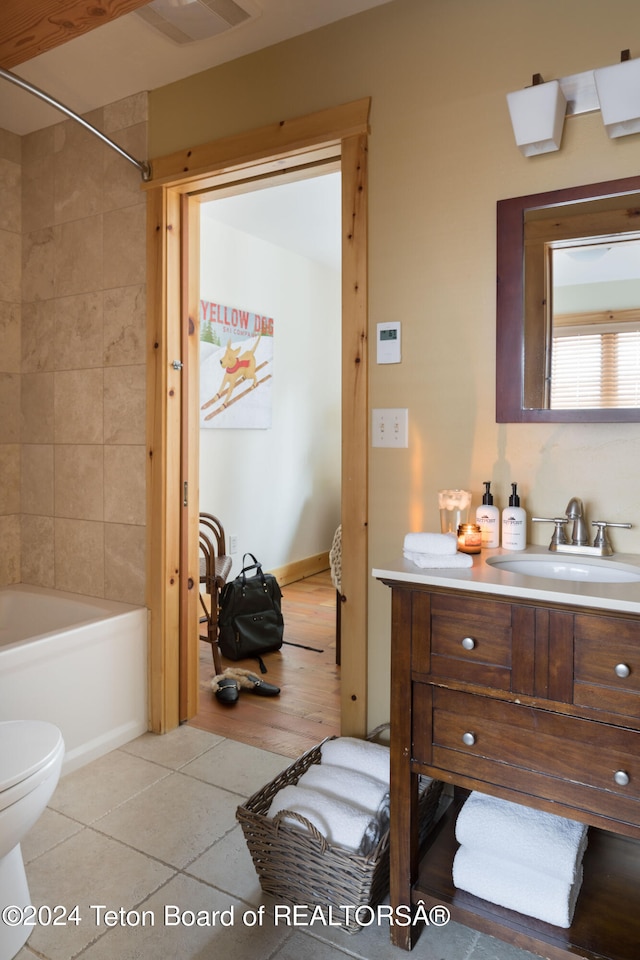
{"x": 142, "y": 165}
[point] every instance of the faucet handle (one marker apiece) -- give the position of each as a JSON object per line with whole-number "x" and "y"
{"x": 601, "y": 538}
{"x": 559, "y": 536}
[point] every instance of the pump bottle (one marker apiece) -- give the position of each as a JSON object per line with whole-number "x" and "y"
{"x": 514, "y": 523}
{"x": 488, "y": 518}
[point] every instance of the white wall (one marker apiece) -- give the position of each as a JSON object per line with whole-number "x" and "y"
{"x": 278, "y": 489}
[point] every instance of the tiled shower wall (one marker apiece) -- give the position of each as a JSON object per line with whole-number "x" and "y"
{"x": 80, "y": 404}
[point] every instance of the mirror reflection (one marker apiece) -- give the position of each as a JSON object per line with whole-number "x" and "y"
{"x": 568, "y": 305}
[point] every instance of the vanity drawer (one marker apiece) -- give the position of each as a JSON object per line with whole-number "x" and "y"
{"x": 471, "y": 640}
{"x": 592, "y": 765}
{"x": 607, "y": 664}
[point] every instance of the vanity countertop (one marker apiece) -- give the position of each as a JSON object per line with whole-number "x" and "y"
{"x": 483, "y": 578}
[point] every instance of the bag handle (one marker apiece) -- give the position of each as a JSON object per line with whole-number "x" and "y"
{"x": 256, "y": 565}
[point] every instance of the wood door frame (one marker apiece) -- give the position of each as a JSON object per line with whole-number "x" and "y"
{"x": 172, "y": 335}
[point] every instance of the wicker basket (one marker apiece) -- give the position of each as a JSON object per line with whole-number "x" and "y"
{"x": 299, "y": 866}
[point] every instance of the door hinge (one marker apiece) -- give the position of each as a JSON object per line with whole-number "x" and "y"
{"x": 177, "y": 364}
{"x": 185, "y": 494}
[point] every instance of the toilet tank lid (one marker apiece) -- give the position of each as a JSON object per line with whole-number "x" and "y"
{"x": 25, "y": 746}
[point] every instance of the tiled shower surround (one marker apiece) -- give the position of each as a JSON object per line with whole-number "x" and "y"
{"x": 72, "y": 356}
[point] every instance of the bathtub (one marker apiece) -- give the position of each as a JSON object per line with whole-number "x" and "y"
{"x": 78, "y": 662}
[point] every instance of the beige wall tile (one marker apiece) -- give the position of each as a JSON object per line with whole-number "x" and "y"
{"x": 10, "y": 553}
{"x": 79, "y": 556}
{"x": 79, "y": 335}
{"x": 9, "y": 478}
{"x": 9, "y": 408}
{"x": 124, "y": 562}
{"x": 10, "y": 259}
{"x": 124, "y": 404}
{"x": 126, "y": 112}
{"x": 79, "y": 486}
{"x": 122, "y": 179}
{"x": 125, "y": 325}
{"x": 37, "y": 551}
{"x": 36, "y": 407}
{"x": 79, "y": 257}
{"x": 39, "y": 264}
{"x": 11, "y": 146}
{"x": 38, "y": 336}
{"x": 124, "y": 484}
{"x": 37, "y": 479}
{"x": 11, "y": 192}
{"x": 9, "y": 337}
{"x": 124, "y": 245}
{"x": 78, "y": 406}
{"x": 78, "y": 172}
{"x": 37, "y": 192}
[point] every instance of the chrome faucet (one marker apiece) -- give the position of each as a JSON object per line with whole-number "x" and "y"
{"x": 575, "y": 512}
{"x": 579, "y": 542}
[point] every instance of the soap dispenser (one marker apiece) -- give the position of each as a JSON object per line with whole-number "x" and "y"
{"x": 514, "y": 523}
{"x": 488, "y": 518}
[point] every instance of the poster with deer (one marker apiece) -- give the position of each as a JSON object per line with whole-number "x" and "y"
{"x": 236, "y": 367}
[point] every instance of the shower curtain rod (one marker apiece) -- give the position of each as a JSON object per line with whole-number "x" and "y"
{"x": 142, "y": 165}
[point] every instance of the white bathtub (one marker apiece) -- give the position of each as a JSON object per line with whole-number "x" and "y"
{"x": 78, "y": 662}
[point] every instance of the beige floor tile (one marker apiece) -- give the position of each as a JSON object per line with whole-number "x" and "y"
{"x": 174, "y": 749}
{"x": 189, "y": 942}
{"x": 229, "y": 867}
{"x": 237, "y": 767}
{"x": 175, "y": 820}
{"x": 51, "y": 829}
{"x": 88, "y": 869}
{"x": 101, "y": 786}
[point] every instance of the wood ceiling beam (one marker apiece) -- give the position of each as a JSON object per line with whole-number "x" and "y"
{"x": 31, "y": 27}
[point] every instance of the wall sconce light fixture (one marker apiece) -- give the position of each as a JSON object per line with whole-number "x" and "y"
{"x": 537, "y": 116}
{"x": 619, "y": 95}
{"x": 538, "y": 112}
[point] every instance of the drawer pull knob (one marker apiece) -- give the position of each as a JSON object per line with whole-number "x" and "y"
{"x": 621, "y": 778}
{"x": 469, "y": 739}
{"x": 468, "y": 643}
{"x": 622, "y": 670}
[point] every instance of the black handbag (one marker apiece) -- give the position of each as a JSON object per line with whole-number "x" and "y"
{"x": 250, "y": 619}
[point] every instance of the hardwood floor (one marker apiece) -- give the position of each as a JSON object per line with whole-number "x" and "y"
{"x": 308, "y": 707}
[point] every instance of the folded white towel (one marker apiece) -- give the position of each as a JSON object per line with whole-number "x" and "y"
{"x": 340, "y": 822}
{"x": 361, "y": 755}
{"x": 438, "y": 561}
{"x": 534, "y": 838}
{"x": 516, "y": 887}
{"x": 444, "y": 544}
{"x": 352, "y": 786}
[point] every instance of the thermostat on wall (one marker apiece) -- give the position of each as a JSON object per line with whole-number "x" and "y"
{"x": 388, "y": 342}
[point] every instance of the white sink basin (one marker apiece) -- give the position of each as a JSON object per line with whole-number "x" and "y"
{"x": 555, "y": 567}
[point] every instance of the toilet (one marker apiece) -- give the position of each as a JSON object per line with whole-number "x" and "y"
{"x": 31, "y": 754}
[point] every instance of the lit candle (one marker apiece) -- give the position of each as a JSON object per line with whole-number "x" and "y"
{"x": 469, "y": 538}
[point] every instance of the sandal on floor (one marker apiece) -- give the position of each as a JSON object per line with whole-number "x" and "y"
{"x": 226, "y": 689}
{"x": 250, "y": 682}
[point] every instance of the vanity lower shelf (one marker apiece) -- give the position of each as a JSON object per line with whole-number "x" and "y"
{"x": 607, "y": 917}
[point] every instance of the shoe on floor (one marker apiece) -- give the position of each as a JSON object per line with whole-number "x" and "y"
{"x": 250, "y": 682}
{"x": 226, "y": 689}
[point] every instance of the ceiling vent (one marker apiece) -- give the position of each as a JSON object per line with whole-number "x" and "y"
{"x": 187, "y": 20}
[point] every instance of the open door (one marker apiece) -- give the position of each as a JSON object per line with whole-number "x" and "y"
{"x": 338, "y": 135}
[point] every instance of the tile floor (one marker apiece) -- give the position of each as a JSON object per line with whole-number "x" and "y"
{"x": 151, "y": 828}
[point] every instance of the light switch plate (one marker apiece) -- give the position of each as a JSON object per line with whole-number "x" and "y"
{"x": 390, "y": 428}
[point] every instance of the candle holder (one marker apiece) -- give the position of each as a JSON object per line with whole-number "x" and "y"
{"x": 469, "y": 538}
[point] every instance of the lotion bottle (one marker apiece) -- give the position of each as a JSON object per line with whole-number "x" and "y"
{"x": 488, "y": 518}
{"x": 514, "y": 523}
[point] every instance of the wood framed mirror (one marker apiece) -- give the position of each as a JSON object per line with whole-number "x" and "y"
{"x": 568, "y": 331}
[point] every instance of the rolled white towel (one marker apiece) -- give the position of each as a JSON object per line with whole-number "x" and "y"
{"x": 341, "y": 823}
{"x": 516, "y": 887}
{"x": 437, "y": 561}
{"x": 444, "y": 544}
{"x": 352, "y": 786}
{"x": 534, "y": 838}
{"x": 363, "y": 756}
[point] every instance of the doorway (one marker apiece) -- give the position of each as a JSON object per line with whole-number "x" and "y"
{"x": 337, "y": 134}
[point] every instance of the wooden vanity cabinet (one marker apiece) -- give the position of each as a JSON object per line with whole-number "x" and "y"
{"x": 535, "y": 704}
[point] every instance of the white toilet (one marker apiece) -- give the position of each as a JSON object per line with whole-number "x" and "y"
{"x": 31, "y": 754}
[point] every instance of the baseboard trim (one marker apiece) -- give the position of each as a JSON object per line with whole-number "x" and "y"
{"x": 300, "y": 569}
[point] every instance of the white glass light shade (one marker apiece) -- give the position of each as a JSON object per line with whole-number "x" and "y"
{"x": 537, "y": 117}
{"x": 619, "y": 95}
